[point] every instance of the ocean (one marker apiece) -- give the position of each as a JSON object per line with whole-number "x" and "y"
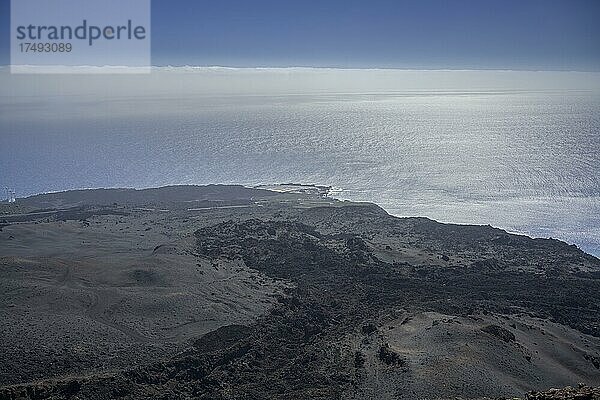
{"x": 524, "y": 161}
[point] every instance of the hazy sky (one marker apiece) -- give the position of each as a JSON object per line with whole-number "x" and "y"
{"x": 429, "y": 34}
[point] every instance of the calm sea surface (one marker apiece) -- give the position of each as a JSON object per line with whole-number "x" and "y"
{"x": 526, "y": 162}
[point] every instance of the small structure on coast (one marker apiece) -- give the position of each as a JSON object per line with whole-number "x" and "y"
{"x": 10, "y": 195}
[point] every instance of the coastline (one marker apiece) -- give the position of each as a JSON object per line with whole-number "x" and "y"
{"x": 168, "y": 283}
{"x": 324, "y": 191}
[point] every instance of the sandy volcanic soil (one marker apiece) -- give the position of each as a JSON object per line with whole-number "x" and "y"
{"x": 114, "y": 291}
{"x": 458, "y": 355}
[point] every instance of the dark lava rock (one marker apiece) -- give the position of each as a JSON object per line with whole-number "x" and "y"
{"x": 568, "y": 393}
{"x": 368, "y": 329}
{"x": 390, "y": 357}
{"x": 221, "y": 338}
{"x": 359, "y": 360}
{"x": 594, "y": 360}
{"x": 499, "y": 332}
